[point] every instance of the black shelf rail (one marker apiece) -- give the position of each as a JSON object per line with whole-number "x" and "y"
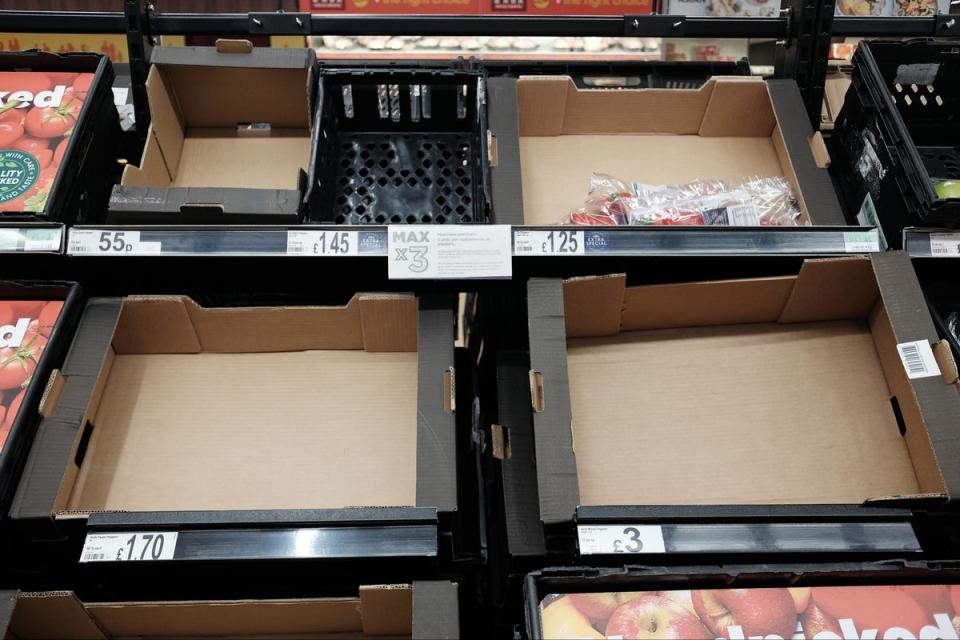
{"x": 945, "y": 25}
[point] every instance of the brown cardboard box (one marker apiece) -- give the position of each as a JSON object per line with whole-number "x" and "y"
{"x": 783, "y": 390}
{"x": 169, "y": 406}
{"x": 203, "y": 160}
{"x": 378, "y": 611}
{"x": 554, "y": 136}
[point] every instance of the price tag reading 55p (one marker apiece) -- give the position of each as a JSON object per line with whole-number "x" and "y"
{"x": 127, "y": 547}
{"x": 617, "y": 538}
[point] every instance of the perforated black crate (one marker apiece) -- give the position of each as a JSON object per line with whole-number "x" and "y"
{"x": 400, "y": 146}
{"x": 899, "y": 132}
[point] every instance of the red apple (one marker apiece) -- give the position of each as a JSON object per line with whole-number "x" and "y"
{"x": 596, "y": 606}
{"x": 801, "y": 597}
{"x": 560, "y": 620}
{"x": 683, "y": 597}
{"x": 654, "y": 616}
{"x": 759, "y": 612}
{"x": 624, "y": 597}
{"x": 872, "y": 607}
{"x": 816, "y": 621}
{"x": 955, "y": 598}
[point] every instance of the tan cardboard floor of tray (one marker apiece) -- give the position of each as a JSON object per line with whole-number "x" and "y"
{"x": 209, "y": 431}
{"x": 756, "y": 413}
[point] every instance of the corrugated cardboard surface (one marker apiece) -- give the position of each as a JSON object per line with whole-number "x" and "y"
{"x": 244, "y": 408}
{"x": 758, "y": 391}
{"x": 218, "y": 157}
{"x": 758, "y": 413}
{"x": 725, "y": 130}
{"x": 253, "y": 431}
{"x": 380, "y": 611}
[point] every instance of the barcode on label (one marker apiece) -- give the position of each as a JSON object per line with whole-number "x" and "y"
{"x": 945, "y": 244}
{"x": 93, "y": 557}
{"x": 918, "y": 360}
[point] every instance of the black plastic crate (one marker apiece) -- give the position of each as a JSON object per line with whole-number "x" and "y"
{"x": 898, "y": 132}
{"x": 400, "y": 146}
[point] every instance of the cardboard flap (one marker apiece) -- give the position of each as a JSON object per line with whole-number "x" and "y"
{"x": 593, "y": 305}
{"x": 386, "y": 610}
{"x": 218, "y": 619}
{"x": 553, "y": 105}
{"x": 227, "y": 45}
{"x": 155, "y": 324}
{"x": 916, "y": 500}
{"x": 273, "y": 329}
{"x": 692, "y": 304}
{"x": 221, "y": 96}
{"x": 389, "y": 322}
{"x": 153, "y": 171}
{"x": 832, "y": 289}
{"x": 945, "y": 360}
{"x": 257, "y": 57}
{"x": 60, "y": 615}
{"x": 166, "y": 127}
{"x": 739, "y": 107}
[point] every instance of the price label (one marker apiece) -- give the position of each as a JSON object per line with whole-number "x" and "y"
{"x": 129, "y": 547}
{"x": 861, "y": 241}
{"x": 945, "y": 244}
{"x": 559, "y": 242}
{"x": 617, "y": 538}
{"x": 109, "y": 243}
{"x": 311, "y": 242}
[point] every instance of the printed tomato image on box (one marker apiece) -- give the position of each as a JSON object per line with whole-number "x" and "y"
{"x": 38, "y": 112}
{"x": 904, "y": 612}
{"x": 25, "y": 327}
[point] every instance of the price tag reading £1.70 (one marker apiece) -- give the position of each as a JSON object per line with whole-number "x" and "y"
{"x": 620, "y": 538}
{"x": 128, "y": 547}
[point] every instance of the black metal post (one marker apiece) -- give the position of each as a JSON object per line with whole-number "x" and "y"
{"x": 138, "y": 47}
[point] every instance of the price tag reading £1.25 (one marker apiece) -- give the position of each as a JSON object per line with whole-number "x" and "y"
{"x": 620, "y": 538}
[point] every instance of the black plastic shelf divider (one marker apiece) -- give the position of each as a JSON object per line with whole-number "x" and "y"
{"x": 930, "y": 26}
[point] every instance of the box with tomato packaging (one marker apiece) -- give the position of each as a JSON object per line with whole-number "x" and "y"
{"x": 36, "y": 321}
{"x": 893, "y": 599}
{"x": 730, "y": 130}
{"x": 59, "y": 133}
{"x": 654, "y": 397}
{"x": 231, "y": 137}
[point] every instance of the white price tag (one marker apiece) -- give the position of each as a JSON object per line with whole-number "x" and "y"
{"x": 109, "y": 243}
{"x": 51, "y": 244}
{"x": 918, "y": 359}
{"x": 125, "y": 547}
{"x": 945, "y": 244}
{"x": 620, "y": 538}
{"x": 451, "y": 251}
{"x": 861, "y": 241}
{"x": 321, "y": 243}
{"x": 561, "y": 242}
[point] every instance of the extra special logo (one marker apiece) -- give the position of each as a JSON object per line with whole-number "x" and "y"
{"x": 19, "y": 171}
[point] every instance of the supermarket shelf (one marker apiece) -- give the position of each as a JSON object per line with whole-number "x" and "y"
{"x": 29, "y": 237}
{"x": 784, "y": 530}
{"x": 281, "y": 535}
{"x": 633, "y": 241}
{"x": 929, "y": 26}
{"x": 931, "y": 243}
{"x": 63, "y": 22}
{"x": 347, "y": 241}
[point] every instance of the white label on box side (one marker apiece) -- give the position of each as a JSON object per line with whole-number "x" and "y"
{"x": 918, "y": 359}
{"x": 126, "y": 547}
{"x": 108, "y": 243}
{"x": 861, "y": 241}
{"x": 945, "y": 244}
{"x": 620, "y": 538}
{"x": 561, "y": 242}
{"x": 311, "y": 242}
{"x": 448, "y": 251}
{"x": 50, "y": 244}
{"x": 743, "y": 215}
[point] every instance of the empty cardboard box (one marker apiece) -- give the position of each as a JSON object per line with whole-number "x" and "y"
{"x": 230, "y": 137}
{"x": 767, "y": 391}
{"x": 425, "y": 609}
{"x": 551, "y": 137}
{"x": 169, "y": 406}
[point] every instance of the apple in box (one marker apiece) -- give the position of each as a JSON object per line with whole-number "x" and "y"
{"x": 25, "y": 327}
{"x": 38, "y": 113}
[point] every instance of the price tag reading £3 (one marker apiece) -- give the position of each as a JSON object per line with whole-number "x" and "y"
{"x": 620, "y": 538}
{"x": 127, "y": 547}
